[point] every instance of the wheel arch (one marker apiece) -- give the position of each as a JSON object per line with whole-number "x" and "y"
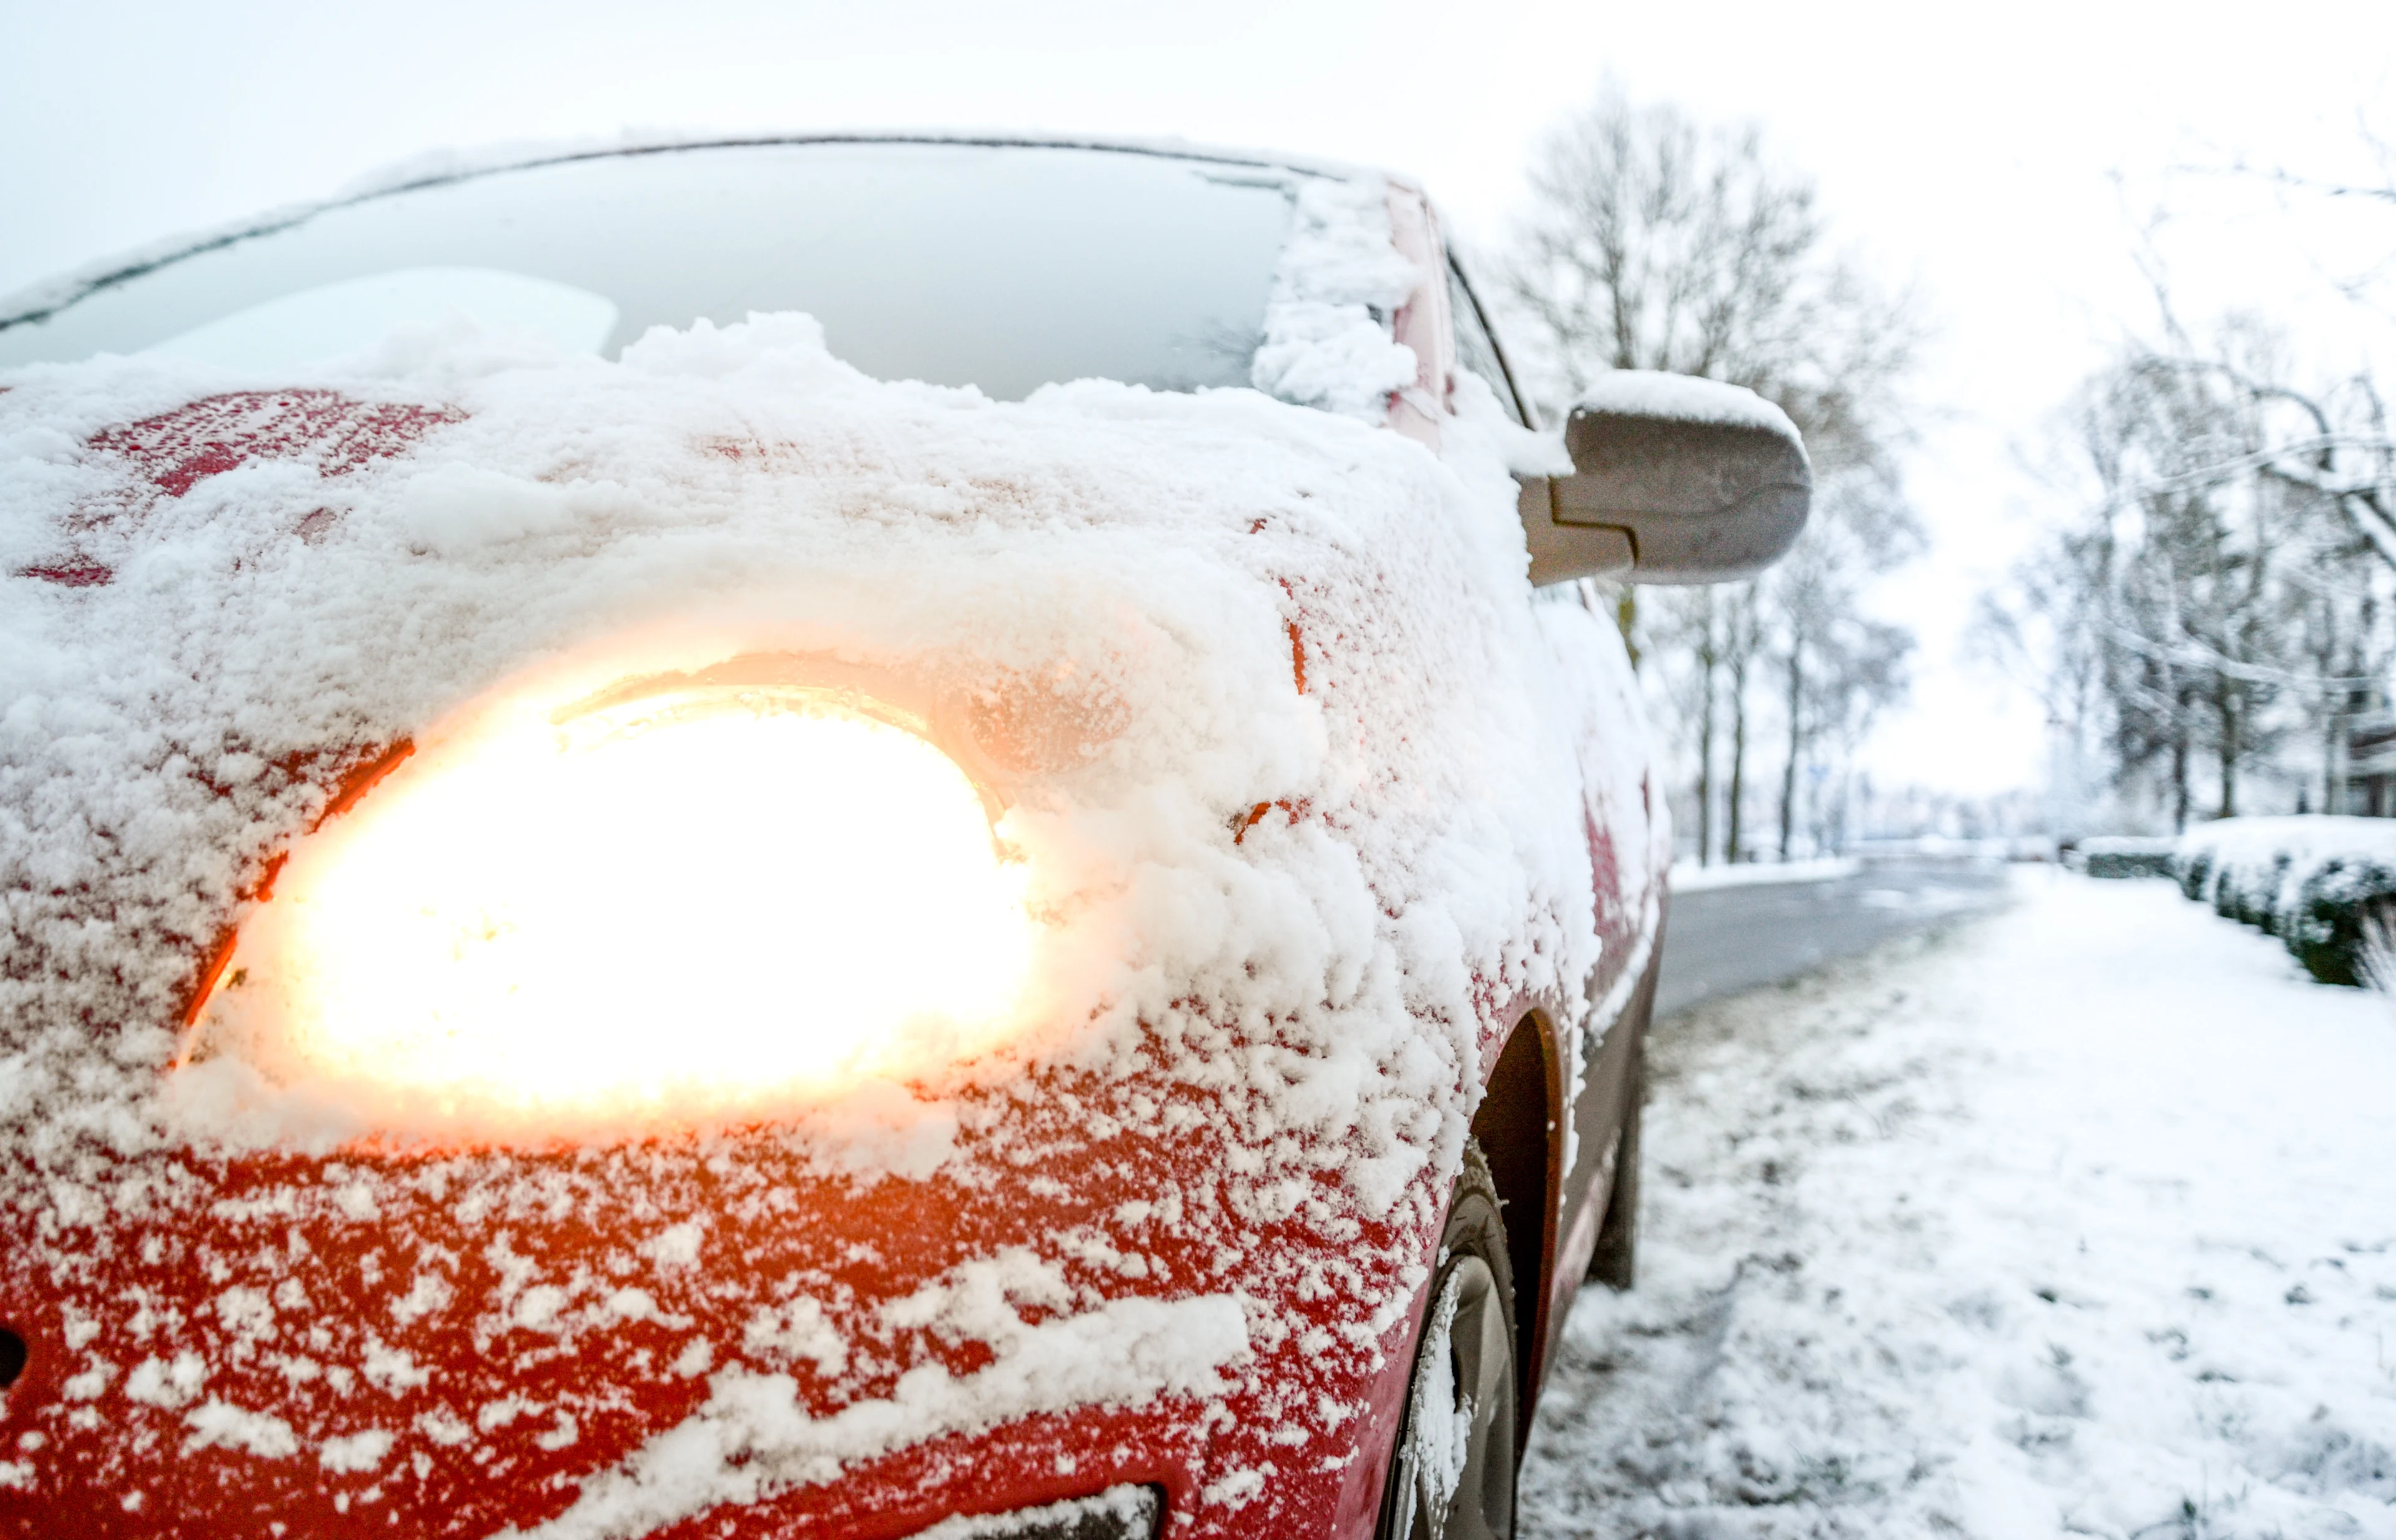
{"x": 1520, "y": 1130}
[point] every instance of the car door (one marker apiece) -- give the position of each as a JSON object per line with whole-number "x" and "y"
{"x": 1628, "y": 840}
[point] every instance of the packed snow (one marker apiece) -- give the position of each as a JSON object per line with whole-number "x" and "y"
{"x": 2079, "y": 1221}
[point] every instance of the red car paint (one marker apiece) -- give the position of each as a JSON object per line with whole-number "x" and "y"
{"x": 175, "y": 451}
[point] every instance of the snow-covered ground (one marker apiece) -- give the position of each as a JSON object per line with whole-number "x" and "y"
{"x": 1689, "y": 876}
{"x": 2080, "y": 1221}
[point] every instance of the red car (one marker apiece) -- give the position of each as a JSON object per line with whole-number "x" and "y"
{"x": 841, "y": 837}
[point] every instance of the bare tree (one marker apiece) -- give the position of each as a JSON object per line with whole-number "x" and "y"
{"x": 1742, "y": 640}
{"x": 1659, "y": 243}
{"x": 2332, "y": 442}
{"x": 1838, "y": 671}
{"x": 1696, "y": 639}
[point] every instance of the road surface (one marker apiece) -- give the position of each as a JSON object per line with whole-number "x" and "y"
{"x": 1721, "y": 940}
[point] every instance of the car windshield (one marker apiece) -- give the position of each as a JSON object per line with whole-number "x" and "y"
{"x": 1004, "y": 267}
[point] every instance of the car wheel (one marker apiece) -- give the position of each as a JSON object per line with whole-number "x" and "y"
{"x": 1613, "y": 1262}
{"x": 1452, "y": 1477}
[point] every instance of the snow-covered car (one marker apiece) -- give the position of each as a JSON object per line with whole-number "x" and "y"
{"x": 835, "y": 837}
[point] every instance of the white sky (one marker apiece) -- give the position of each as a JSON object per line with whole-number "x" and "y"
{"x": 1971, "y": 150}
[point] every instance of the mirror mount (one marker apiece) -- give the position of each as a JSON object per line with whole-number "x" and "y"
{"x": 1675, "y": 479}
{"x": 1562, "y": 553}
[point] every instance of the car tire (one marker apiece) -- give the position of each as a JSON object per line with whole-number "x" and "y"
{"x": 1614, "y": 1261}
{"x": 1452, "y": 1472}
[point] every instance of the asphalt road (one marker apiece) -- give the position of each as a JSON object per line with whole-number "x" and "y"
{"x": 1719, "y": 941}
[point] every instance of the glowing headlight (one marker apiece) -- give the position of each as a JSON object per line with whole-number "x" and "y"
{"x": 705, "y": 904}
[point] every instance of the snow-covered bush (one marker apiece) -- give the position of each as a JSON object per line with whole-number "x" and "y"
{"x": 2315, "y": 883}
{"x": 2126, "y": 856}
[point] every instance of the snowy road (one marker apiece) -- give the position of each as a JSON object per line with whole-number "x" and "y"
{"x": 2081, "y": 1221}
{"x": 1720, "y": 939}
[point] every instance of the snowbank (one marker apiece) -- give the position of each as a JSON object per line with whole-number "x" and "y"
{"x": 2312, "y": 882}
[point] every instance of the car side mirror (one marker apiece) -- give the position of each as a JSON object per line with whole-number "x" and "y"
{"x": 1675, "y": 479}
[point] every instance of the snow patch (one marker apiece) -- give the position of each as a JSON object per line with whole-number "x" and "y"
{"x": 1120, "y": 1509}
{"x": 796, "y": 1329}
{"x": 1327, "y": 332}
{"x": 752, "y": 1436}
{"x": 220, "y": 1424}
{"x": 676, "y": 1245}
{"x": 355, "y": 1453}
{"x": 170, "y": 1385}
{"x": 1439, "y": 1433}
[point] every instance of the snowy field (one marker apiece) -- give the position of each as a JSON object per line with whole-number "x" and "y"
{"x": 2076, "y": 1221}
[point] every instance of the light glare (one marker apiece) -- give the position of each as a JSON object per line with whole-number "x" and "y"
{"x": 701, "y": 912}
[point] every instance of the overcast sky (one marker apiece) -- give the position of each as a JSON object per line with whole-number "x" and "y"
{"x": 1999, "y": 158}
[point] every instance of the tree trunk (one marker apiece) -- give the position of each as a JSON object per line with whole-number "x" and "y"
{"x": 2226, "y": 705}
{"x": 1737, "y": 753}
{"x": 1796, "y": 742}
{"x": 2332, "y": 720}
{"x": 1705, "y": 742}
{"x": 2179, "y": 767}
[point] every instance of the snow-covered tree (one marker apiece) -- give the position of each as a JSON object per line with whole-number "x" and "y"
{"x": 2205, "y": 611}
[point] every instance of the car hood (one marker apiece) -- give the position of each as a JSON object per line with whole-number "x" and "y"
{"x": 1307, "y": 822}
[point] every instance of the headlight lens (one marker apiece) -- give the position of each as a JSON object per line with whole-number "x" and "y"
{"x": 701, "y": 906}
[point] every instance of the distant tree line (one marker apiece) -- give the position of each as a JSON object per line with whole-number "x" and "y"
{"x": 2223, "y": 604}
{"x": 1657, "y": 241}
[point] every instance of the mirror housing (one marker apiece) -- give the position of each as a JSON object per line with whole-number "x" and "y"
{"x": 1675, "y": 479}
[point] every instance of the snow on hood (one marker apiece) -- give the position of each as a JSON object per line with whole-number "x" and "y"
{"x": 735, "y": 491}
